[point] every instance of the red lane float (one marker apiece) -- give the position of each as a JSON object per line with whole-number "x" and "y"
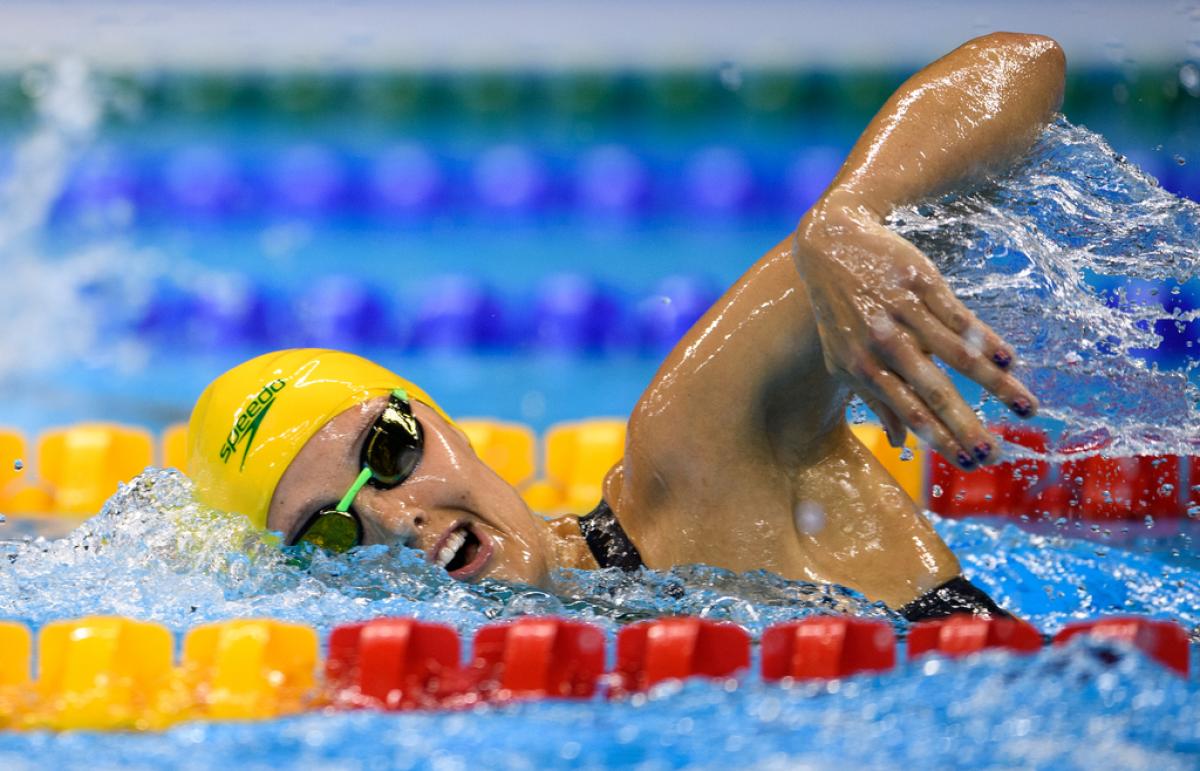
{"x": 1164, "y": 641}
{"x": 1086, "y": 486}
{"x": 1011, "y": 488}
{"x": 827, "y": 647}
{"x": 650, "y": 652}
{"x": 963, "y": 635}
{"x": 1102, "y": 488}
{"x": 407, "y": 664}
{"x": 538, "y": 657}
{"x": 393, "y": 663}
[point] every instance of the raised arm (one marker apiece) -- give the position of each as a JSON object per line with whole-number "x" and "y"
{"x": 881, "y": 307}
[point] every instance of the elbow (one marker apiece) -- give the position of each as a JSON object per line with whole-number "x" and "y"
{"x": 1049, "y": 66}
{"x": 1038, "y": 50}
{"x": 1046, "y": 55}
{"x": 1041, "y": 58}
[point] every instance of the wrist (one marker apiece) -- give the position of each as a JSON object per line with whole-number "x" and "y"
{"x": 852, "y": 202}
{"x": 840, "y": 213}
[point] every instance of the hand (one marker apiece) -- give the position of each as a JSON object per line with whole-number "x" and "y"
{"x": 882, "y": 311}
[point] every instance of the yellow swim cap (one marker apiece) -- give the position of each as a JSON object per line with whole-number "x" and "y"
{"x": 250, "y": 423}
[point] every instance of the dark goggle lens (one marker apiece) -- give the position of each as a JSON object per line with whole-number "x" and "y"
{"x": 336, "y": 531}
{"x": 395, "y": 445}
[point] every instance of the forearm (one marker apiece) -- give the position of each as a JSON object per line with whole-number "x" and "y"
{"x": 973, "y": 110}
{"x": 882, "y": 310}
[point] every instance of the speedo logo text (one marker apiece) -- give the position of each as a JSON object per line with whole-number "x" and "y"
{"x": 247, "y": 423}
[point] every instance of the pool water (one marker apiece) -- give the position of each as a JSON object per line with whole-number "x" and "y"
{"x": 1049, "y": 254}
{"x": 154, "y": 554}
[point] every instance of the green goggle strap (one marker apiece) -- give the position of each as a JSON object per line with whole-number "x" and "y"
{"x": 365, "y": 475}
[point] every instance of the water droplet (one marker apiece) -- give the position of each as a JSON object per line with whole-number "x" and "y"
{"x": 1189, "y": 78}
{"x": 936, "y": 491}
{"x": 906, "y": 453}
{"x": 810, "y": 518}
{"x": 1180, "y": 160}
{"x": 1149, "y": 520}
{"x": 18, "y": 464}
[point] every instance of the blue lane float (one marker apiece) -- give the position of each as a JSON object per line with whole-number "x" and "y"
{"x": 563, "y": 313}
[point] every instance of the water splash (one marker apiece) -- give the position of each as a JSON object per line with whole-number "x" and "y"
{"x": 155, "y": 553}
{"x": 1025, "y": 252}
{"x": 57, "y": 309}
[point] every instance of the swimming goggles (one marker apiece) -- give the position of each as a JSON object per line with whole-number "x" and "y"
{"x": 392, "y": 450}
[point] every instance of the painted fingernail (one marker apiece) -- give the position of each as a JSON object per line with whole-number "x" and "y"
{"x": 982, "y": 450}
{"x": 1022, "y": 407}
{"x": 1002, "y": 359}
{"x": 965, "y": 461}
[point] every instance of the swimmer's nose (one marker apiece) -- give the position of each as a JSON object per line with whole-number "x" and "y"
{"x": 405, "y": 523}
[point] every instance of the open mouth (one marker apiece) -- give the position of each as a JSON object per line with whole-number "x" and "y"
{"x": 463, "y": 551}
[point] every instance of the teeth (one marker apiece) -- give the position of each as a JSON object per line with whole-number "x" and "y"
{"x": 453, "y": 544}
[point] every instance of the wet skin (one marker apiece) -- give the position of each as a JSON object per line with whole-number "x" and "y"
{"x": 744, "y": 424}
{"x": 451, "y": 487}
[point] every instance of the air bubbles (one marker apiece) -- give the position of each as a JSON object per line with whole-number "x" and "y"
{"x": 1033, "y": 254}
{"x": 810, "y": 518}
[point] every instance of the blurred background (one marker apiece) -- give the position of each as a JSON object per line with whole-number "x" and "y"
{"x": 521, "y": 206}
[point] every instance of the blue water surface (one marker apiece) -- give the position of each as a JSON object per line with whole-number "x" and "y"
{"x": 154, "y": 554}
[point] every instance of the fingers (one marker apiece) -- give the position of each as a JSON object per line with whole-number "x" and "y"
{"x": 970, "y": 360}
{"x": 884, "y": 386}
{"x": 898, "y": 352}
{"x": 929, "y": 285}
{"x": 893, "y": 426}
{"x": 959, "y": 319}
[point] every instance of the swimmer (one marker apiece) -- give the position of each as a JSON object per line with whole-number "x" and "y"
{"x": 744, "y": 423}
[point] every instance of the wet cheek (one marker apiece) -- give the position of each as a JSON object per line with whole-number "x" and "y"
{"x": 518, "y": 560}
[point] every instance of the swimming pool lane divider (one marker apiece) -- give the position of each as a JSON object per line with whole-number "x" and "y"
{"x": 77, "y": 468}
{"x": 112, "y": 673}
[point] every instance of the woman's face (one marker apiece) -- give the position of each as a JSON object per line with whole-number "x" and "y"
{"x": 453, "y": 507}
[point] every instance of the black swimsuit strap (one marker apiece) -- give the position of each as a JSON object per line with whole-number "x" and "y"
{"x": 608, "y": 541}
{"x": 958, "y": 595}
{"x": 610, "y": 545}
